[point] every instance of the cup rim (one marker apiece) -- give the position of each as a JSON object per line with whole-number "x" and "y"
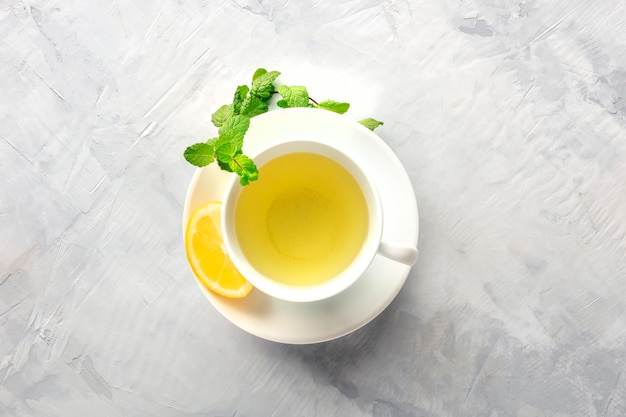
{"x": 352, "y": 272}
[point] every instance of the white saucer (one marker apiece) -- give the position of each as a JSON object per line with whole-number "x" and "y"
{"x": 301, "y": 323}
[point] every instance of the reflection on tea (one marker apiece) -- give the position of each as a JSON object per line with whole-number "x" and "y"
{"x": 304, "y": 221}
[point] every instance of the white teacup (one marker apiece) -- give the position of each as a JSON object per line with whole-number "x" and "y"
{"x": 247, "y": 243}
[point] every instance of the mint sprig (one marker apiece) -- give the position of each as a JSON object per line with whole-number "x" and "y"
{"x": 233, "y": 121}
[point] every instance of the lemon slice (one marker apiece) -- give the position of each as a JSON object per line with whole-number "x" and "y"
{"x": 207, "y": 256}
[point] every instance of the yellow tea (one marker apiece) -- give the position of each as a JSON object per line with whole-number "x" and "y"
{"x": 303, "y": 221}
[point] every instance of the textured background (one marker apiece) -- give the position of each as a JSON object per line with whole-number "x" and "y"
{"x": 510, "y": 117}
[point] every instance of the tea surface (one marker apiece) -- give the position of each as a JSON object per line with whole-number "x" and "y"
{"x": 303, "y": 221}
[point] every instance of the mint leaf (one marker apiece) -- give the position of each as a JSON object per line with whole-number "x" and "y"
{"x": 370, "y": 123}
{"x": 244, "y": 167}
{"x": 253, "y": 106}
{"x": 296, "y": 96}
{"x": 224, "y": 166}
{"x": 233, "y": 130}
{"x": 225, "y": 152}
{"x": 239, "y": 97}
{"x": 258, "y": 73}
{"x": 223, "y": 113}
{"x": 337, "y": 107}
{"x": 262, "y": 86}
{"x": 200, "y": 154}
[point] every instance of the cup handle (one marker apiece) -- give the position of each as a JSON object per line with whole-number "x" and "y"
{"x": 399, "y": 253}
